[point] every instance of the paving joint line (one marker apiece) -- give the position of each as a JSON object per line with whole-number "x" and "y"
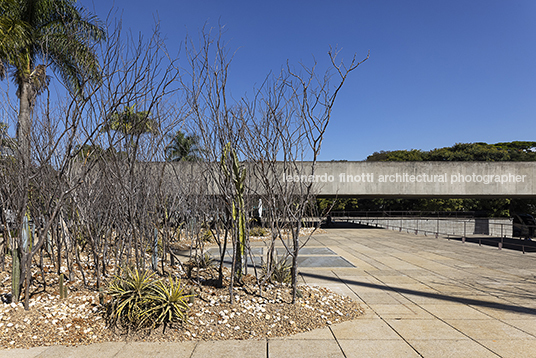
{"x": 426, "y": 269}
{"x": 336, "y": 340}
{"x": 440, "y": 319}
{"x": 383, "y": 320}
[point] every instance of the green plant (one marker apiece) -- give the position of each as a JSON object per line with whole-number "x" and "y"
{"x": 207, "y": 236}
{"x": 130, "y": 298}
{"x": 167, "y": 304}
{"x": 141, "y": 301}
{"x": 281, "y": 272}
{"x": 237, "y": 175}
{"x": 258, "y": 231}
{"x": 203, "y": 261}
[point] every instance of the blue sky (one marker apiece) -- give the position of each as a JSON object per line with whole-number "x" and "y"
{"x": 439, "y": 73}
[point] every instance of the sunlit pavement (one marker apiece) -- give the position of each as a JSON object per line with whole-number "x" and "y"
{"x": 423, "y": 297}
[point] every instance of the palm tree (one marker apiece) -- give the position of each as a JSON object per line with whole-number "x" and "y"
{"x": 36, "y": 35}
{"x": 131, "y": 124}
{"x": 39, "y": 34}
{"x": 183, "y": 148}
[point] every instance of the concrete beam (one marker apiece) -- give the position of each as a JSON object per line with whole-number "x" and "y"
{"x": 426, "y": 179}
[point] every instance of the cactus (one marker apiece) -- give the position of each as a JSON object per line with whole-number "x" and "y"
{"x": 61, "y": 287}
{"x": 15, "y": 276}
{"x": 16, "y": 254}
{"x": 192, "y": 295}
{"x": 155, "y": 250}
{"x": 238, "y": 177}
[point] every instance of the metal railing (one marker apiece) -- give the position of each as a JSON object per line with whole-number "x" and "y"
{"x": 461, "y": 226}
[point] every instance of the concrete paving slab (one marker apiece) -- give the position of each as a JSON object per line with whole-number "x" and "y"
{"x": 156, "y": 350}
{"x": 21, "y": 352}
{"x": 302, "y": 348}
{"x": 233, "y": 348}
{"x": 101, "y": 350}
{"x": 399, "y": 311}
{"x": 323, "y": 261}
{"x": 505, "y": 314}
{"x": 359, "y": 329}
{"x": 310, "y": 251}
{"x": 318, "y": 276}
{"x": 315, "y": 334}
{"x": 386, "y": 298}
{"x": 511, "y": 348}
{"x": 431, "y": 329}
{"x": 342, "y": 290}
{"x": 453, "y": 311}
{"x": 488, "y": 329}
{"x": 396, "y": 280}
{"x": 446, "y": 348}
{"x": 395, "y": 348}
{"x": 526, "y": 325}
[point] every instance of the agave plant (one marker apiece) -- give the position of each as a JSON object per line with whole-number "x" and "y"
{"x": 141, "y": 301}
{"x": 168, "y": 304}
{"x": 281, "y": 272}
{"x": 130, "y": 294}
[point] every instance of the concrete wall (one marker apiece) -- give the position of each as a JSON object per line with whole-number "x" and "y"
{"x": 456, "y": 227}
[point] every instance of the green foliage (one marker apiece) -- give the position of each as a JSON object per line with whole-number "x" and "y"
{"x": 141, "y": 301}
{"x": 130, "y": 294}
{"x": 511, "y": 151}
{"x": 58, "y": 31}
{"x": 282, "y": 272}
{"x": 131, "y": 122}
{"x": 183, "y": 148}
{"x": 397, "y": 156}
{"x": 207, "y": 236}
{"x": 167, "y": 303}
{"x": 258, "y": 231}
{"x": 203, "y": 261}
{"x": 346, "y": 204}
{"x": 237, "y": 175}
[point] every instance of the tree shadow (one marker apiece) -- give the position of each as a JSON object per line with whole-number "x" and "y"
{"x": 438, "y": 296}
{"x": 345, "y": 225}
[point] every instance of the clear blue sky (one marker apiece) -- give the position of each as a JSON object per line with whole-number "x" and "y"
{"x": 439, "y": 73}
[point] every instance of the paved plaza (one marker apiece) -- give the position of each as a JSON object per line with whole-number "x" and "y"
{"x": 423, "y": 297}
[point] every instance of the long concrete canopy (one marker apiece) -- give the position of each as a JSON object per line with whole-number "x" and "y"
{"x": 424, "y": 179}
{"x": 389, "y": 179}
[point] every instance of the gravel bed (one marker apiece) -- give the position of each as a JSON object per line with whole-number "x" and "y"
{"x": 78, "y": 319}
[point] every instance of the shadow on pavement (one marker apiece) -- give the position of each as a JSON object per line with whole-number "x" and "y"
{"x": 345, "y": 225}
{"x": 438, "y": 296}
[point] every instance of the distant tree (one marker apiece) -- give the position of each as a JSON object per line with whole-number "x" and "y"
{"x": 519, "y": 151}
{"x": 339, "y": 204}
{"x": 511, "y": 151}
{"x": 480, "y": 152}
{"x": 131, "y": 123}
{"x": 183, "y": 148}
{"x": 397, "y": 156}
{"x": 508, "y": 151}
